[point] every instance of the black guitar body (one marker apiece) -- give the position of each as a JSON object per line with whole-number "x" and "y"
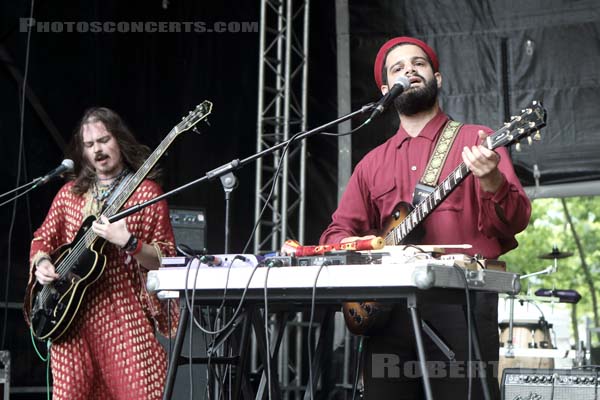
{"x": 54, "y": 306}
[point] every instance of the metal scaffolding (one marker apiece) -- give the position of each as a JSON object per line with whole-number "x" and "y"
{"x": 282, "y": 102}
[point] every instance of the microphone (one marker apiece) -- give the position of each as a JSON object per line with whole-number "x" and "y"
{"x": 401, "y": 84}
{"x": 65, "y": 165}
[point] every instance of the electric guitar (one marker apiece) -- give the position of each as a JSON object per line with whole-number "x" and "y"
{"x": 79, "y": 264}
{"x": 404, "y": 224}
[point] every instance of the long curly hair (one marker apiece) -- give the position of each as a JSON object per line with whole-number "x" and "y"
{"x": 134, "y": 153}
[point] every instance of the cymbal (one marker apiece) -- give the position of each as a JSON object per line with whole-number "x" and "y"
{"x": 555, "y": 254}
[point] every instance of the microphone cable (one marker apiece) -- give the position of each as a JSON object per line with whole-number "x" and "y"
{"x": 310, "y": 322}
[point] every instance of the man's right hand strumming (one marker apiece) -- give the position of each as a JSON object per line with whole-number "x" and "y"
{"x": 45, "y": 272}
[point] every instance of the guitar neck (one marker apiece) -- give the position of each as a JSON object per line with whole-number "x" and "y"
{"x": 140, "y": 175}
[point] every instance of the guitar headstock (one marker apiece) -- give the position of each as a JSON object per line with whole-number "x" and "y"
{"x": 201, "y": 112}
{"x": 525, "y": 125}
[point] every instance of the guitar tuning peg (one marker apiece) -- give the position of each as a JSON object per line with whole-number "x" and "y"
{"x": 518, "y": 147}
{"x": 518, "y": 118}
{"x": 529, "y": 140}
{"x": 521, "y": 131}
{"x": 537, "y": 135}
{"x": 531, "y": 124}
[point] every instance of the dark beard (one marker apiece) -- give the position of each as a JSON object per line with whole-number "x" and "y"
{"x": 413, "y": 101}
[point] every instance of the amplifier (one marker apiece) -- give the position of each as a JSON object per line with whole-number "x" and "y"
{"x": 189, "y": 227}
{"x": 549, "y": 384}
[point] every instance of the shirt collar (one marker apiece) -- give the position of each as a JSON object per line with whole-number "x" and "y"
{"x": 430, "y": 131}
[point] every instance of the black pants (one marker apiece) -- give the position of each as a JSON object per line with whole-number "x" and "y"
{"x": 391, "y": 362}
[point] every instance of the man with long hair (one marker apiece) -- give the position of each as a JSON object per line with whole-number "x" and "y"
{"x": 486, "y": 210}
{"x": 110, "y": 350}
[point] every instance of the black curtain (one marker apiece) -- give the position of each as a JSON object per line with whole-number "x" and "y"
{"x": 496, "y": 57}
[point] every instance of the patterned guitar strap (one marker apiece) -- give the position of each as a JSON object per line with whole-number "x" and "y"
{"x": 438, "y": 158}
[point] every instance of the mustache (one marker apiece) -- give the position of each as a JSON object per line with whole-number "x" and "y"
{"x": 100, "y": 156}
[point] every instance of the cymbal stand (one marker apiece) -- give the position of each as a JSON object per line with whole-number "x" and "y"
{"x": 510, "y": 346}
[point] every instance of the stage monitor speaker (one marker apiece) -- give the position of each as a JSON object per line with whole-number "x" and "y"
{"x": 549, "y": 384}
{"x": 189, "y": 227}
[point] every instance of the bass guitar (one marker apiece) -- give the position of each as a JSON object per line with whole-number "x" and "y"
{"x": 402, "y": 228}
{"x": 53, "y": 308}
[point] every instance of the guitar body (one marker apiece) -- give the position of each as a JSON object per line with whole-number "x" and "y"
{"x": 364, "y": 318}
{"x": 53, "y": 307}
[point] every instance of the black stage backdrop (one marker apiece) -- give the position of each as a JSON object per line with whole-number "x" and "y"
{"x": 496, "y": 57}
{"x": 152, "y": 80}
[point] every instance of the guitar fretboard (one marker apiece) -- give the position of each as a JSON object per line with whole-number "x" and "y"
{"x": 423, "y": 209}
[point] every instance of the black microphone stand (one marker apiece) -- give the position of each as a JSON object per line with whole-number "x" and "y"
{"x": 237, "y": 163}
{"x": 229, "y": 182}
{"x": 34, "y": 182}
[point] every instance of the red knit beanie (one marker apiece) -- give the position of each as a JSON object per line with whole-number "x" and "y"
{"x": 382, "y": 54}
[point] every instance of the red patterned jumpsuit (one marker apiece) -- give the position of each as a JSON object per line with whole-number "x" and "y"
{"x": 110, "y": 351}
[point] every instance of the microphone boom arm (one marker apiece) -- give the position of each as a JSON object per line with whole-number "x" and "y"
{"x": 236, "y": 163}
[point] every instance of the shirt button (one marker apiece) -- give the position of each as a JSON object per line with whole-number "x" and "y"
{"x": 413, "y": 168}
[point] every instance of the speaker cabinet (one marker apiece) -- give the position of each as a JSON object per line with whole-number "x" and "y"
{"x": 189, "y": 227}
{"x": 549, "y": 384}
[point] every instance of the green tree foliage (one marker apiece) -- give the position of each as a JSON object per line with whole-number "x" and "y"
{"x": 549, "y": 227}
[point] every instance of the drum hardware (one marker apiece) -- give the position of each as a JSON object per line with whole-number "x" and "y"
{"x": 555, "y": 254}
{"x": 545, "y": 343}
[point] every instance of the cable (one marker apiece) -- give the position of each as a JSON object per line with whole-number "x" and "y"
{"x": 19, "y": 162}
{"x": 310, "y": 322}
{"x": 267, "y": 343}
{"x": 273, "y": 185}
{"x": 189, "y": 305}
{"x": 236, "y": 312}
{"x": 461, "y": 273}
{"x": 350, "y": 132}
{"x": 358, "y": 362}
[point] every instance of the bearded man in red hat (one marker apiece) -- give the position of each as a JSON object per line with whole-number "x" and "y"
{"x": 486, "y": 211}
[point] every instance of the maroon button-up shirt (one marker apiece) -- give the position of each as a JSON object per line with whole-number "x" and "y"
{"x": 388, "y": 174}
